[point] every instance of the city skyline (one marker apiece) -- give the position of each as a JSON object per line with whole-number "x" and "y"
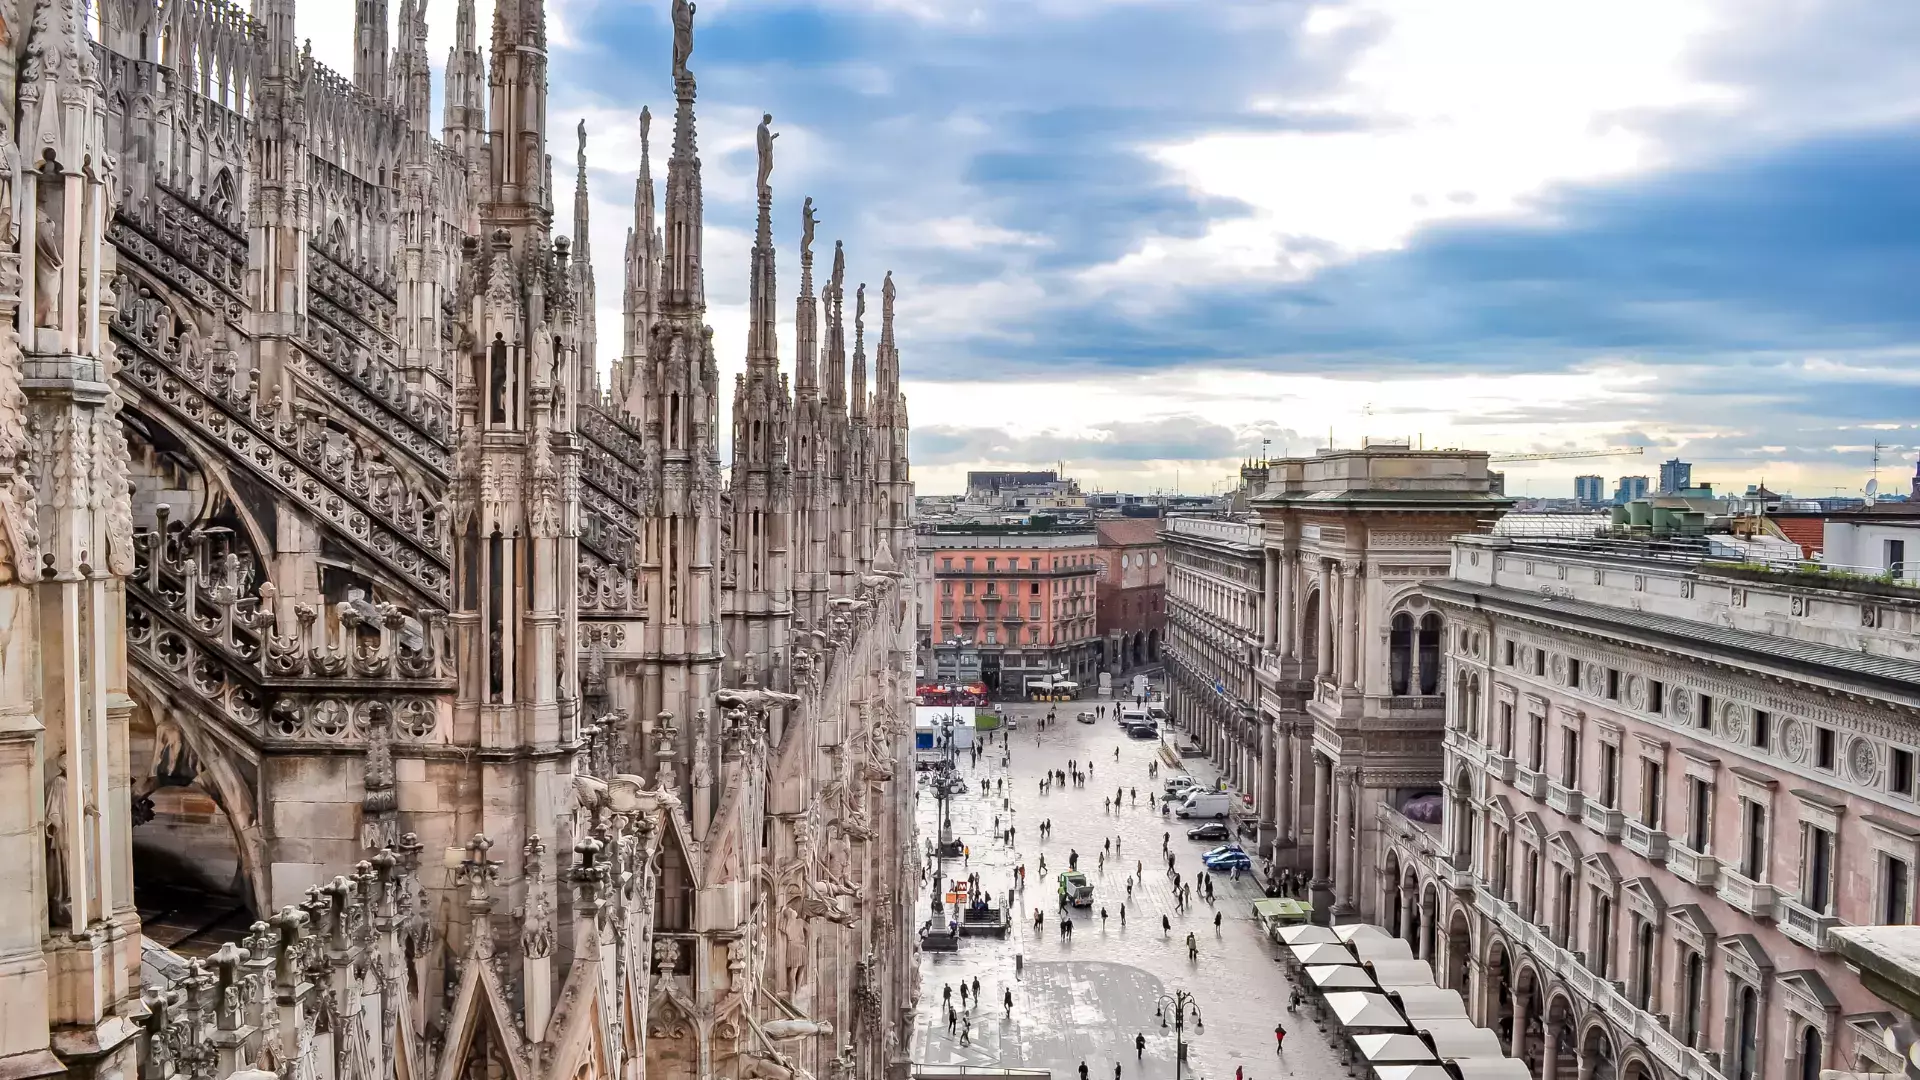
{"x": 1142, "y": 237}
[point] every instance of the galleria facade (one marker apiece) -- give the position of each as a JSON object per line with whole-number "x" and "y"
{"x": 336, "y": 580}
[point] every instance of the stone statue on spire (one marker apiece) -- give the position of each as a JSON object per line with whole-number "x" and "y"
{"x": 682, "y": 36}
{"x": 859, "y": 310}
{"x": 764, "y": 139}
{"x": 646, "y": 127}
{"x": 886, "y": 301}
{"x": 581, "y": 131}
{"x": 807, "y": 222}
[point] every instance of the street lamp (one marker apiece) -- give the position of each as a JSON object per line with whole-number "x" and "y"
{"x": 1178, "y": 1003}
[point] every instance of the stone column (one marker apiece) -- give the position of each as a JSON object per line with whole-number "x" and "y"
{"x": 1408, "y": 898}
{"x": 1329, "y": 609}
{"x": 1268, "y": 592}
{"x": 1269, "y": 783}
{"x": 1283, "y": 606}
{"x": 1350, "y": 589}
{"x": 1428, "y": 932}
{"x": 1550, "y": 1058}
{"x": 1517, "y": 1046}
{"x": 1349, "y": 834}
{"x": 1283, "y": 810}
{"x": 1322, "y": 884}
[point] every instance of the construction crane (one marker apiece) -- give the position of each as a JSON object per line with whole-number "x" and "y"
{"x": 1573, "y": 455}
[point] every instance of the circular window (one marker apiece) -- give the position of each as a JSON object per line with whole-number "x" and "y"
{"x": 1153, "y": 559}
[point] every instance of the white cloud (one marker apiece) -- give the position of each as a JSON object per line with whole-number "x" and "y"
{"x": 1471, "y": 107}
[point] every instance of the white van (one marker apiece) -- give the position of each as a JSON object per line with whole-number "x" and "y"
{"x": 1179, "y": 787}
{"x": 1205, "y": 804}
{"x": 1132, "y": 714}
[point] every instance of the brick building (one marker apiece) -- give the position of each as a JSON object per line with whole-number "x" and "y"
{"x": 1132, "y": 609}
{"x": 1023, "y": 594}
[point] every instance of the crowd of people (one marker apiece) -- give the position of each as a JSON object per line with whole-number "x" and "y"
{"x": 1071, "y": 777}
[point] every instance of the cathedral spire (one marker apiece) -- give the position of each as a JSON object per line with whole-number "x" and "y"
{"x": 836, "y": 360}
{"x": 370, "y": 47}
{"x": 762, "y": 344}
{"x": 640, "y": 303}
{"x": 463, "y": 120}
{"x": 585, "y": 295}
{"x": 685, "y": 282}
{"x": 806, "y": 315}
{"x": 517, "y": 118}
{"x": 858, "y": 389}
{"x": 886, "y": 362}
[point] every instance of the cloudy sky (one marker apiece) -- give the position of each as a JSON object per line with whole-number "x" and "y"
{"x": 1146, "y": 237}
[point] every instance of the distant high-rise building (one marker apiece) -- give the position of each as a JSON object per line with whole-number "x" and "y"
{"x": 1590, "y": 490}
{"x": 1631, "y": 488}
{"x": 1675, "y": 476}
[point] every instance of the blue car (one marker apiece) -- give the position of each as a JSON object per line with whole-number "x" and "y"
{"x": 1230, "y": 861}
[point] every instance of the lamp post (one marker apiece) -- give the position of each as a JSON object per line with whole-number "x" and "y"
{"x": 1179, "y": 1003}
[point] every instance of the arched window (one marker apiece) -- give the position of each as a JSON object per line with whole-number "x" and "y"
{"x": 1400, "y": 654}
{"x": 1746, "y": 1042}
{"x": 1429, "y": 654}
{"x": 1643, "y": 977}
{"x": 1693, "y": 986}
{"x": 1809, "y": 1054}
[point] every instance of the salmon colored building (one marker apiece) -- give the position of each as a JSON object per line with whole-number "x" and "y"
{"x": 1026, "y": 596}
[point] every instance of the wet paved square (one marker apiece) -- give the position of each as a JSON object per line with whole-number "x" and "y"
{"x": 1085, "y": 998}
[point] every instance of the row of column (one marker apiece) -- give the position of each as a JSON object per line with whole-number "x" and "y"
{"x": 1341, "y": 586}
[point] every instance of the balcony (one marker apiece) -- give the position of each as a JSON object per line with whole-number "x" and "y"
{"x": 1500, "y": 767}
{"x": 1644, "y": 841}
{"x": 1564, "y": 799}
{"x": 1601, "y": 819}
{"x": 1753, "y": 897}
{"x": 1529, "y": 782}
{"x": 1457, "y": 876}
{"x": 1692, "y": 867}
{"x": 1465, "y": 747}
{"x": 1804, "y": 925}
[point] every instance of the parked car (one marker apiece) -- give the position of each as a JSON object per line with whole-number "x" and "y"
{"x": 1142, "y": 731}
{"x": 1205, "y": 804}
{"x": 1228, "y": 858}
{"x": 1085, "y": 717}
{"x": 1212, "y": 830}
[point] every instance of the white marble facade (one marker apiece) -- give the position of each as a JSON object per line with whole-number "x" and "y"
{"x": 336, "y": 581}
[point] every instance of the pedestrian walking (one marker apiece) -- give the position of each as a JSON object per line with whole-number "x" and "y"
{"x": 1083, "y": 1070}
{"x": 1019, "y": 964}
{"x": 1166, "y": 838}
{"x": 1009, "y": 1001}
{"x": 966, "y": 1031}
{"x": 1166, "y": 926}
{"x": 1129, "y": 886}
{"x": 1239, "y": 1072}
{"x": 1106, "y": 844}
{"x": 1279, "y": 1037}
{"x": 1103, "y": 916}
{"x": 946, "y": 994}
{"x": 1139, "y": 1045}
{"x": 1123, "y": 916}
{"x": 976, "y": 989}
{"x": 1193, "y": 946}
{"x": 1116, "y": 1071}
{"x": 953, "y": 1019}
{"x": 963, "y": 993}
{"x": 1216, "y": 922}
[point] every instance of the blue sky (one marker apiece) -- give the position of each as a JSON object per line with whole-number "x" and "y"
{"x": 1141, "y": 236}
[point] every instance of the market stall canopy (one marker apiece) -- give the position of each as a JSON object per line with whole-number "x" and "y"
{"x": 1322, "y": 954}
{"x": 1392, "y": 948}
{"x": 1397, "y": 973}
{"x": 1357, "y": 931}
{"x": 1428, "y": 1003}
{"x": 1395, "y": 1047}
{"x": 1458, "y": 1039}
{"x": 1281, "y": 909}
{"x": 1411, "y": 1072}
{"x": 1365, "y": 1012}
{"x": 1339, "y": 977}
{"x": 1492, "y": 1068}
{"x": 1308, "y": 934}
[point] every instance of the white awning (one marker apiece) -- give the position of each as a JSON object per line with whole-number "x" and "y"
{"x": 1339, "y": 977}
{"x": 1392, "y": 1048}
{"x": 1365, "y": 1012}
